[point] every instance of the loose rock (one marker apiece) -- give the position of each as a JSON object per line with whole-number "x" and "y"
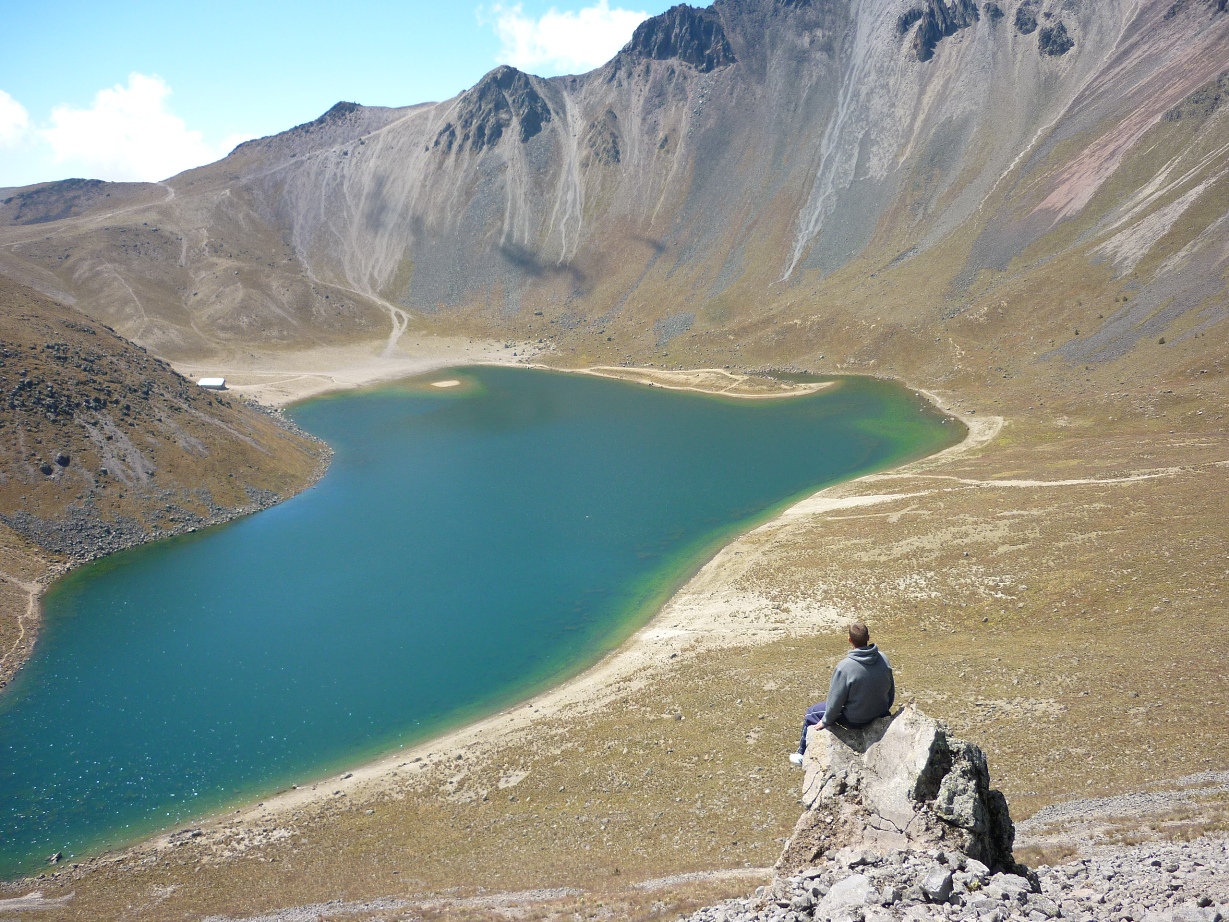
{"x": 901, "y": 825}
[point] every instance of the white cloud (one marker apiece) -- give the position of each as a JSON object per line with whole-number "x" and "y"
{"x": 567, "y": 42}
{"x": 13, "y": 120}
{"x": 127, "y": 134}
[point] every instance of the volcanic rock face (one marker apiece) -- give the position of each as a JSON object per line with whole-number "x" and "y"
{"x": 693, "y": 36}
{"x": 901, "y": 783}
{"x": 504, "y": 96}
{"x": 1054, "y": 41}
{"x": 938, "y": 21}
{"x": 750, "y": 150}
{"x": 1026, "y": 17}
{"x": 603, "y": 139}
{"x": 1203, "y": 102}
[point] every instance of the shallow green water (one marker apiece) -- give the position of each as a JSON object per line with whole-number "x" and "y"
{"x": 466, "y": 548}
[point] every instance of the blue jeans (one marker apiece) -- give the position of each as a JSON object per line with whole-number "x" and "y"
{"x": 815, "y": 713}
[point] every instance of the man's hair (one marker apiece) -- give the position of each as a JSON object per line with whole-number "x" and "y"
{"x": 859, "y": 636}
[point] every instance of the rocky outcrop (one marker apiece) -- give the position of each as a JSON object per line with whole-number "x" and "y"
{"x": 502, "y": 97}
{"x": 938, "y": 21}
{"x": 602, "y": 140}
{"x": 336, "y": 113}
{"x": 1181, "y": 6}
{"x": 902, "y": 826}
{"x": 908, "y": 19}
{"x": 1026, "y": 17}
{"x": 690, "y": 35}
{"x": 1203, "y": 102}
{"x": 344, "y": 123}
{"x": 1055, "y": 41}
{"x": 901, "y": 783}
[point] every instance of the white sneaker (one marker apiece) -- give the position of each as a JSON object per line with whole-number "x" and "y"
{"x": 795, "y": 758}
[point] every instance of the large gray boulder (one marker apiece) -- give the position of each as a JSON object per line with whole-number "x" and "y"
{"x": 900, "y": 783}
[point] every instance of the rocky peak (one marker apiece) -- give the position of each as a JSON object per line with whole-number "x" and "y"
{"x": 336, "y": 113}
{"x": 693, "y": 36}
{"x": 343, "y": 123}
{"x": 503, "y": 96}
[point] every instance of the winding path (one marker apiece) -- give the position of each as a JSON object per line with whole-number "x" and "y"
{"x": 32, "y": 591}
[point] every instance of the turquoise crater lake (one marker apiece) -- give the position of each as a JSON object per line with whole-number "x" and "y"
{"x": 467, "y": 548}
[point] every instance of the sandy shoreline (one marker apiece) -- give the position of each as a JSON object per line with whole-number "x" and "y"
{"x": 715, "y": 381}
{"x": 280, "y": 378}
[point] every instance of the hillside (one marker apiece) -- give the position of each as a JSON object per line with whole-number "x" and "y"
{"x": 103, "y": 446}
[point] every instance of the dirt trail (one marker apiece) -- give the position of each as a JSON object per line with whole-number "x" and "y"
{"x": 505, "y": 905}
{"x": 16, "y": 652}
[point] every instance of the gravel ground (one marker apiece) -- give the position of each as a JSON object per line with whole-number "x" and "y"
{"x": 1185, "y": 791}
{"x": 1158, "y": 882}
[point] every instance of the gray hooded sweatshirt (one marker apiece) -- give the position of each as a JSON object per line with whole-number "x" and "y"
{"x": 862, "y": 688}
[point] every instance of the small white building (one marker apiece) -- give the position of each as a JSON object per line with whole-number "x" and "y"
{"x": 214, "y": 384}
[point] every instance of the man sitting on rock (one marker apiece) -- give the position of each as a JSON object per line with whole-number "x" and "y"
{"x": 862, "y": 690}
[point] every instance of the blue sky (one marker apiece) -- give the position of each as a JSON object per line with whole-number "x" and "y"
{"x": 141, "y": 90}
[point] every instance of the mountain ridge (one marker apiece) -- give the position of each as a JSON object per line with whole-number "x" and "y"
{"x": 747, "y": 152}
